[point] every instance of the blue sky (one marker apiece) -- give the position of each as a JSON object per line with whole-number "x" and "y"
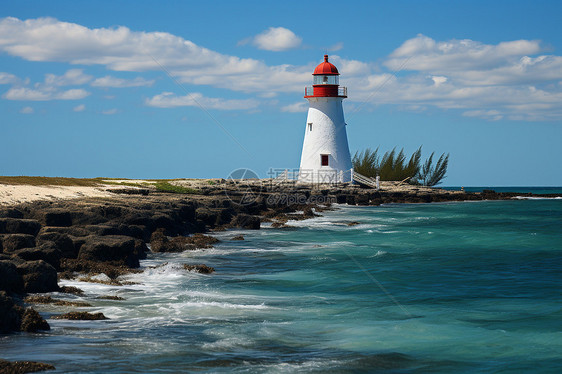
{"x": 174, "y": 89}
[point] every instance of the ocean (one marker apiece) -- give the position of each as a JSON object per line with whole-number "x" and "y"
{"x": 465, "y": 287}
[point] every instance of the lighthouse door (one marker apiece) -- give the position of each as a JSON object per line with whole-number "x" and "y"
{"x": 324, "y": 160}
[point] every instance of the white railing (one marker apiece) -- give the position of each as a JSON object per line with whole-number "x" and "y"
{"x": 280, "y": 176}
{"x": 309, "y": 91}
{"x": 361, "y": 179}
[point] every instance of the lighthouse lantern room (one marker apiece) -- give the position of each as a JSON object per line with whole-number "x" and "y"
{"x": 325, "y": 153}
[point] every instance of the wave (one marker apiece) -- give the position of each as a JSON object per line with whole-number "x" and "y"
{"x": 537, "y": 198}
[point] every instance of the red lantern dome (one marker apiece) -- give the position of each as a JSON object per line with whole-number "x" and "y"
{"x": 326, "y": 68}
{"x": 325, "y": 82}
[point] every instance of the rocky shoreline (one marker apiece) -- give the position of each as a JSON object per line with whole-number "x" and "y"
{"x": 42, "y": 242}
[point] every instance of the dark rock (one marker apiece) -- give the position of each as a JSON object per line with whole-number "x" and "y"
{"x": 164, "y": 221}
{"x": 71, "y": 231}
{"x": 33, "y": 322}
{"x": 224, "y": 216}
{"x": 82, "y": 316}
{"x": 353, "y": 223}
{"x": 187, "y": 212}
{"x": 201, "y": 241}
{"x": 202, "y": 268}
{"x": 62, "y": 242}
{"x": 129, "y": 191}
{"x": 11, "y": 213}
{"x": 112, "y": 269}
{"x": 57, "y": 218}
{"x": 207, "y": 216}
{"x": 78, "y": 242}
{"x": 109, "y": 297}
{"x": 46, "y": 252}
{"x": 104, "y": 230}
{"x": 350, "y": 200}
{"x": 21, "y": 367}
{"x": 362, "y": 200}
{"x": 41, "y": 299}
{"x": 237, "y": 237}
{"x": 246, "y": 221}
{"x": 161, "y": 243}
{"x": 19, "y": 226}
{"x": 38, "y": 276}
{"x": 116, "y": 248}
{"x": 140, "y": 249}
{"x": 11, "y": 280}
{"x": 71, "y": 290}
{"x": 14, "y": 242}
{"x": 10, "y": 314}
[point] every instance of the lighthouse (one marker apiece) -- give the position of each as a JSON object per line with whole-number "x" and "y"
{"x": 325, "y": 153}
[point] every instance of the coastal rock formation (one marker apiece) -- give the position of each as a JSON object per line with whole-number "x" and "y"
{"x": 13, "y": 242}
{"x": 38, "y": 276}
{"x": 46, "y": 252}
{"x": 61, "y": 241}
{"x": 201, "y": 268}
{"x": 19, "y": 226}
{"x": 11, "y": 280}
{"x": 81, "y": 316}
{"x": 32, "y": 321}
{"x": 246, "y": 221}
{"x": 10, "y": 314}
{"x": 161, "y": 243}
{"x": 21, "y": 367}
{"x": 113, "y": 248}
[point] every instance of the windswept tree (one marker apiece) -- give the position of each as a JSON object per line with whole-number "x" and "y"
{"x": 433, "y": 175}
{"x": 366, "y": 162}
{"x": 393, "y": 166}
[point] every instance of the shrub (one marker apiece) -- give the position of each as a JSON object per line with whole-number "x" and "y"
{"x": 393, "y": 166}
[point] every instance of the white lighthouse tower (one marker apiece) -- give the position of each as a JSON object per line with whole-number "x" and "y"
{"x": 325, "y": 153}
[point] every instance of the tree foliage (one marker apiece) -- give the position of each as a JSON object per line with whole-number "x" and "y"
{"x": 394, "y": 167}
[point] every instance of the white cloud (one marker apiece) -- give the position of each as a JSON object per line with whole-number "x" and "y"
{"x": 27, "y": 110}
{"x": 493, "y": 115}
{"x": 29, "y": 94}
{"x": 49, "y": 89}
{"x": 438, "y": 80}
{"x": 109, "y": 81}
{"x": 110, "y": 111}
{"x": 169, "y": 100}
{"x": 301, "y": 106}
{"x": 336, "y": 47}
{"x": 120, "y": 49}
{"x": 7, "y": 78}
{"x": 515, "y": 78}
{"x": 73, "y": 77}
{"x": 79, "y": 108}
{"x": 277, "y": 39}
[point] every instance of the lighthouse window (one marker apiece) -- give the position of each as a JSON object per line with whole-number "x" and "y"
{"x": 310, "y": 126}
{"x": 324, "y": 160}
{"x": 325, "y": 79}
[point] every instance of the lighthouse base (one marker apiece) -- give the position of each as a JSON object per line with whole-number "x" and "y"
{"x": 329, "y": 176}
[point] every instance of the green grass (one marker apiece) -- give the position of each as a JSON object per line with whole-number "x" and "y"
{"x": 165, "y": 186}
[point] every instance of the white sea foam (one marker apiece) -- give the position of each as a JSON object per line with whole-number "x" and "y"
{"x": 378, "y": 254}
{"x": 537, "y": 198}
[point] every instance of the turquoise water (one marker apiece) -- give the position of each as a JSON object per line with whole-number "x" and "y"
{"x": 469, "y": 287}
{"x": 534, "y": 190}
